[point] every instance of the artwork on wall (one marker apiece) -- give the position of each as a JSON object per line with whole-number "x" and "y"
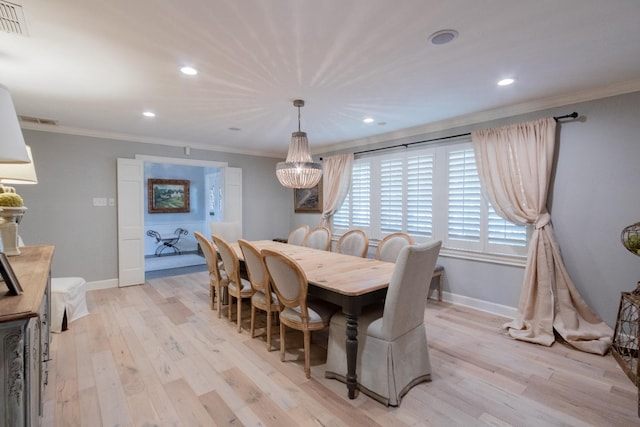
{"x": 168, "y": 195}
{"x": 308, "y": 200}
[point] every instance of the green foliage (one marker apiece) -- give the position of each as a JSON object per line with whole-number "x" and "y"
{"x": 633, "y": 242}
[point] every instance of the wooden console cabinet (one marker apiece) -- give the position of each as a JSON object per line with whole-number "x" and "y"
{"x": 24, "y": 338}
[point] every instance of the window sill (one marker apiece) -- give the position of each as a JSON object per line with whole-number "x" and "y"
{"x": 511, "y": 260}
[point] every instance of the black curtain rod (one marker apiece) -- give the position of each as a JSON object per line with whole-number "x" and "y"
{"x": 412, "y": 143}
{"x": 444, "y": 138}
{"x": 573, "y": 115}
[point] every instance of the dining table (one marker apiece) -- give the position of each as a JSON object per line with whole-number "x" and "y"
{"x": 346, "y": 280}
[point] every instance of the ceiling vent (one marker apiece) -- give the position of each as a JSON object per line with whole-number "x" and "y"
{"x": 12, "y": 19}
{"x": 38, "y": 120}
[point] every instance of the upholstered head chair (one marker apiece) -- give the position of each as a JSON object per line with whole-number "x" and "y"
{"x": 392, "y": 344}
{"x": 297, "y": 235}
{"x": 353, "y": 242}
{"x": 390, "y": 246}
{"x": 237, "y": 287}
{"x": 217, "y": 279}
{"x": 263, "y": 298}
{"x": 318, "y": 238}
{"x": 290, "y": 284}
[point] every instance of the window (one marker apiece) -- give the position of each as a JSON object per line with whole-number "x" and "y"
{"x": 430, "y": 193}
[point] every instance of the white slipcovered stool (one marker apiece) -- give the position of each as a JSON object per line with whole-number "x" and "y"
{"x": 67, "y": 294}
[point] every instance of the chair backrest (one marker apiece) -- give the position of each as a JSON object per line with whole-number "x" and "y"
{"x": 229, "y": 259}
{"x": 297, "y": 235}
{"x": 257, "y": 272}
{"x": 288, "y": 280}
{"x": 210, "y": 255}
{"x": 318, "y": 238}
{"x": 408, "y": 289}
{"x": 389, "y": 247}
{"x": 353, "y": 242}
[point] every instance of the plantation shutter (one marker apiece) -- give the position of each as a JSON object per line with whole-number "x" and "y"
{"x": 420, "y": 195}
{"x": 464, "y": 197}
{"x": 391, "y": 195}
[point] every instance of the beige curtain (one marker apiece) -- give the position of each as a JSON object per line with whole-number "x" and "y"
{"x": 336, "y": 171}
{"x": 514, "y": 164}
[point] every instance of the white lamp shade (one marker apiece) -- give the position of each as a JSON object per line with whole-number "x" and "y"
{"x": 12, "y": 146}
{"x": 19, "y": 173}
{"x": 299, "y": 170}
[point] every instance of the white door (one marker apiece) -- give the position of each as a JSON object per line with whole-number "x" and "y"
{"x": 233, "y": 198}
{"x": 130, "y": 222}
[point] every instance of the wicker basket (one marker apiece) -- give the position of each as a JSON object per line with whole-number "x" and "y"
{"x": 626, "y": 343}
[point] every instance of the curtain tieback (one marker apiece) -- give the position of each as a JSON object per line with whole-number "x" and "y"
{"x": 543, "y": 220}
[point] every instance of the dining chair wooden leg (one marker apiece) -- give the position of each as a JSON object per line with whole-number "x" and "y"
{"x": 307, "y": 353}
{"x": 239, "y": 313}
{"x": 212, "y": 296}
{"x": 268, "y": 330}
{"x": 253, "y": 320}
{"x": 282, "y": 343}
{"x": 219, "y": 298}
{"x": 230, "y": 307}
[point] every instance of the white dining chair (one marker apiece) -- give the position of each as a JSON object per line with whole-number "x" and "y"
{"x": 392, "y": 343}
{"x": 318, "y": 238}
{"x": 353, "y": 242}
{"x": 296, "y": 311}
{"x": 389, "y": 247}
{"x": 297, "y": 235}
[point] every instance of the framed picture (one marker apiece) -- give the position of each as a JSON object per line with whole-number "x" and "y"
{"x": 308, "y": 200}
{"x": 168, "y": 195}
{"x": 9, "y": 276}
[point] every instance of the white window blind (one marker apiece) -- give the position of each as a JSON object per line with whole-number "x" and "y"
{"x": 391, "y": 195}
{"x": 464, "y": 197}
{"x": 420, "y": 195}
{"x": 361, "y": 195}
{"x": 503, "y": 232}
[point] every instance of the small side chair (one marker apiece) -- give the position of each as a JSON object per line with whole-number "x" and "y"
{"x": 237, "y": 287}
{"x": 263, "y": 298}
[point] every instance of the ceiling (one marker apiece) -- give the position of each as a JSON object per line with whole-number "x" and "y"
{"x": 94, "y": 66}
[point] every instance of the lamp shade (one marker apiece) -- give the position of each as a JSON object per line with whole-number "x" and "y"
{"x": 299, "y": 170}
{"x": 12, "y": 146}
{"x": 19, "y": 173}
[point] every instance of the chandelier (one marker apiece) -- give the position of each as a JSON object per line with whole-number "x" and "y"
{"x": 299, "y": 170}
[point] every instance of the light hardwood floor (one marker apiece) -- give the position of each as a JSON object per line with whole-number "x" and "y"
{"x": 156, "y": 355}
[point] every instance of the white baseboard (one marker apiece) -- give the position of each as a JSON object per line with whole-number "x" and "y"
{"x": 486, "y": 306}
{"x": 102, "y": 284}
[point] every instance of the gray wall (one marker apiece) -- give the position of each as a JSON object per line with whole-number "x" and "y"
{"x": 72, "y": 170}
{"x": 593, "y": 196}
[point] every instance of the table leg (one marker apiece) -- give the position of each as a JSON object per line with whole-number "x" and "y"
{"x": 352, "y": 354}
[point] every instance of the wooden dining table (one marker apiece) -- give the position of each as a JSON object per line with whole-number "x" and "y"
{"x": 348, "y": 281}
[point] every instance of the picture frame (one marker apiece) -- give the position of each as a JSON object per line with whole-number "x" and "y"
{"x": 9, "y": 276}
{"x": 168, "y": 195}
{"x": 308, "y": 200}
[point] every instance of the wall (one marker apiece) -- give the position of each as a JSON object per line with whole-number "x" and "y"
{"x": 593, "y": 196}
{"x": 72, "y": 170}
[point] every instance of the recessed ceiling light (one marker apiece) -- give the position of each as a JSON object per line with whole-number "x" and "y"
{"x": 149, "y": 114}
{"x": 190, "y": 71}
{"x": 368, "y": 120}
{"x": 506, "y": 82}
{"x": 443, "y": 37}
